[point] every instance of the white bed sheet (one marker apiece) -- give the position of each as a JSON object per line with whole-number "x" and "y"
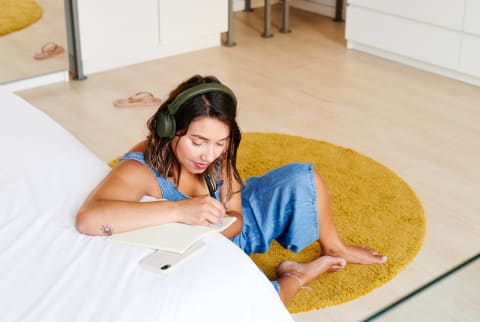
{"x": 50, "y": 272}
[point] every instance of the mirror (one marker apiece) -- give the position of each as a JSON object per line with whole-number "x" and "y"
{"x": 18, "y": 48}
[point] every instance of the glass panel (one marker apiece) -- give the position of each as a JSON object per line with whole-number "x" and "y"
{"x": 454, "y": 296}
{"x": 18, "y": 48}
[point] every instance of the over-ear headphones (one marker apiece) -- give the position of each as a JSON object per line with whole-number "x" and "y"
{"x": 166, "y": 127}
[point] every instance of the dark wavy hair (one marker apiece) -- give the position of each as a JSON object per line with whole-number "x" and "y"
{"x": 159, "y": 151}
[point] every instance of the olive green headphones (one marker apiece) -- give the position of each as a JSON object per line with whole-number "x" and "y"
{"x": 166, "y": 127}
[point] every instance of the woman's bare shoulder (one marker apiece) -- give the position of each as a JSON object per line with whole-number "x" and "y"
{"x": 130, "y": 178}
{"x": 139, "y": 147}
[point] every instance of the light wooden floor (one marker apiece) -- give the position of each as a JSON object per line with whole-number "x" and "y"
{"x": 423, "y": 126}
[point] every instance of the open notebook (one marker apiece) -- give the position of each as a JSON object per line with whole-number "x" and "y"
{"x": 173, "y": 237}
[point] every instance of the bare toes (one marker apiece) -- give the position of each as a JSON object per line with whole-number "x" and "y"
{"x": 339, "y": 266}
{"x": 364, "y": 255}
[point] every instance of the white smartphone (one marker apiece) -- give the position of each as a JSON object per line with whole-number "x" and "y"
{"x": 162, "y": 261}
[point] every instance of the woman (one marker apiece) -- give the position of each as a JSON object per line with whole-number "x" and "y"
{"x": 192, "y": 143}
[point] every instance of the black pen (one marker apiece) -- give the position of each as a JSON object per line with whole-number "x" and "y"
{"x": 208, "y": 180}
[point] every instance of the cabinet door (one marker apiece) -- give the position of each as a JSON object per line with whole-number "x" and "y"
{"x": 446, "y": 13}
{"x": 470, "y": 55}
{"x": 186, "y": 19}
{"x": 110, "y": 27}
{"x": 423, "y": 42}
{"x": 472, "y": 17}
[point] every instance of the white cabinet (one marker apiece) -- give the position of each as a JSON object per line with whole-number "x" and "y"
{"x": 186, "y": 19}
{"x": 470, "y": 51}
{"x": 404, "y": 37}
{"x": 442, "y": 36}
{"x": 446, "y": 13}
{"x": 115, "y": 33}
{"x": 109, "y": 27}
{"x": 472, "y": 17}
{"x": 470, "y": 56}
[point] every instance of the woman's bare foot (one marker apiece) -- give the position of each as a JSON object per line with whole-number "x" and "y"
{"x": 357, "y": 255}
{"x": 307, "y": 272}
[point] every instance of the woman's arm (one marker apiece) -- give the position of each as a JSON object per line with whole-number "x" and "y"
{"x": 235, "y": 228}
{"x": 234, "y": 209}
{"x": 114, "y": 206}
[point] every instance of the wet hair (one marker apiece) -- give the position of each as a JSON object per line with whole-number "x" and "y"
{"x": 159, "y": 153}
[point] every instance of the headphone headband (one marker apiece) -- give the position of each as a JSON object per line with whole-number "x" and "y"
{"x": 191, "y": 92}
{"x": 165, "y": 119}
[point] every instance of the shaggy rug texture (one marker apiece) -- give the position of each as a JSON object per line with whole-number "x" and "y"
{"x": 372, "y": 206}
{"x": 18, "y": 14}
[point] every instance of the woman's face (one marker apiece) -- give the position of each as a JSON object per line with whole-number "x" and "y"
{"x": 205, "y": 141}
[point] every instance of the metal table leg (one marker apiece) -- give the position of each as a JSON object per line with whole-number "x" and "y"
{"x": 229, "y": 42}
{"x": 338, "y": 10}
{"x": 267, "y": 20}
{"x": 248, "y": 5}
{"x": 285, "y": 17}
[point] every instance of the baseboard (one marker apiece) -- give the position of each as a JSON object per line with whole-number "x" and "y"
{"x": 414, "y": 63}
{"x": 36, "y": 81}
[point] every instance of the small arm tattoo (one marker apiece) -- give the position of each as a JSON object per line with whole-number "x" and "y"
{"x": 106, "y": 230}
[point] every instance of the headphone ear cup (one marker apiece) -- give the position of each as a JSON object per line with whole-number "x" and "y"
{"x": 165, "y": 125}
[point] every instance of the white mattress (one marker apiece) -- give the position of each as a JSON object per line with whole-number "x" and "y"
{"x": 50, "y": 272}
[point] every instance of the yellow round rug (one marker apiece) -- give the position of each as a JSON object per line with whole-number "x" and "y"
{"x": 372, "y": 207}
{"x": 18, "y": 14}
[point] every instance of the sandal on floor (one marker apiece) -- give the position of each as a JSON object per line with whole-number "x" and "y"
{"x": 48, "y": 50}
{"x": 139, "y": 99}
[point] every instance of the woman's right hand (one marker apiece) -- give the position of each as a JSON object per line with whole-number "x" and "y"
{"x": 201, "y": 211}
